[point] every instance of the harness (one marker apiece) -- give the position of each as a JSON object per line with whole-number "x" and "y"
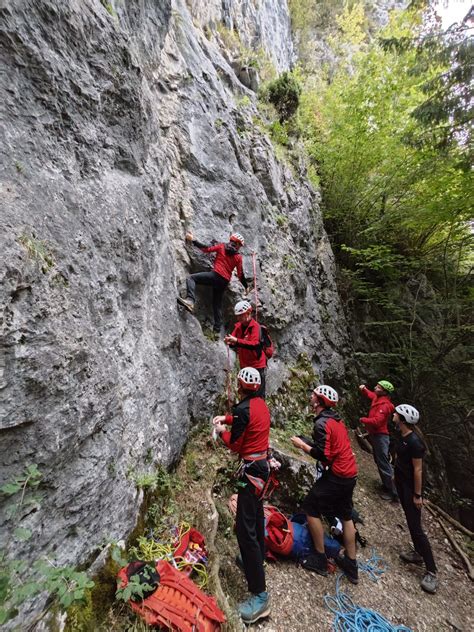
{"x": 263, "y": 488}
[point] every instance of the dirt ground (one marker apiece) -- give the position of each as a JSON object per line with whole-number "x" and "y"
{"x": 298, "y": 595}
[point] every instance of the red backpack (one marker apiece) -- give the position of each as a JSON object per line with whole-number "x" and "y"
{"x": 177, "y": 604}
{"x": 279, "y": 535}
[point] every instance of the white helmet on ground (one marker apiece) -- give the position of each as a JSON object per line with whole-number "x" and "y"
{"x": 327, "y": 394}
{"x": 249, "y": 378}
{"x": 409, "y": 413}
{"x": 238, "y": 238}
{"x": 242, "y": 307}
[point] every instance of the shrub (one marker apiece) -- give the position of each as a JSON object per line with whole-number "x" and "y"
{"x": 284, "y": 93}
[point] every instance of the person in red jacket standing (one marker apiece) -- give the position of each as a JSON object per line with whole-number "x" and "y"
{"x": 249, "y": 438}
{"x": 331, "y": 495}
{"x": 376, "y": 423}
{"x": 227, "y": 258}
{"x": 245, "y": 339}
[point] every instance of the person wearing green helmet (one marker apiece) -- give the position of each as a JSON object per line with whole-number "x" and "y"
{"x": 376, "y": 424}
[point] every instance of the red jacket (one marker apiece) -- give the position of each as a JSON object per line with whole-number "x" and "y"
{"x": 225, "y": 261}
{"x": 332, "y": 445}
{"x": 380, "y": 413}
{"x": 248, "y": 345}
{"x": 250, "y": 434}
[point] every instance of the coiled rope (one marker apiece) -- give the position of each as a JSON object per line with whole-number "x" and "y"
{"x": 350, "y": 617}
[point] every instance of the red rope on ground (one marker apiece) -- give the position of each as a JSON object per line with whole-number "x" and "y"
{"x": 254, "y": 264}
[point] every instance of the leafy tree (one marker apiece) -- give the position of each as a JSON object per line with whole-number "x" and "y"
{"x": 389, "y": 137}
{"x": 284, "y": 93}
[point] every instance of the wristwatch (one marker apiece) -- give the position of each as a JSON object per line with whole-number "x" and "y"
{"x": 417, "y": 495}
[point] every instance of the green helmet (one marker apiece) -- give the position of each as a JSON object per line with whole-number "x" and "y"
{"x": 387, "y": 386}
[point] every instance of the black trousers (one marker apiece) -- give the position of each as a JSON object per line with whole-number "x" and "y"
{"x": 218, "y": 284}
{"x": 250, "y": 528}
{"x": 420, "y": 541}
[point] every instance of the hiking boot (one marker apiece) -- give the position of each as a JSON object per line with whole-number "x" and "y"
{"x": 429, "y": 583}
{"x": 316, "y": 562}
{"x": 257, "y": 607}
{"x": 411, "y": 557}
{"x": 386, "y": 495}
{"x": 189, "y": 305}
{"x": 349, "y": 568}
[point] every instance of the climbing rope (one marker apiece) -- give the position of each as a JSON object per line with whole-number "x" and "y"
{"x": 228, "y": 378}
{"x": 375, "y": 566}
{"x": 350, "y": 617}
{"x": 254, "y": 265}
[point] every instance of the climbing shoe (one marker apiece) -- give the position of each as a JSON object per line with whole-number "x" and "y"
{"x": 186, "y": 304}
{"x": 386, "y": 495}
{"x": 349, "y": 568}
{"x": 429, "y": 583}
{"x": 257, "y": 607}
{"x": 316, "y": 562}
{"x": 411, "y": 557}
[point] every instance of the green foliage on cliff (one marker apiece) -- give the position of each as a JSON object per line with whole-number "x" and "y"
{"x": 390, "y": 138}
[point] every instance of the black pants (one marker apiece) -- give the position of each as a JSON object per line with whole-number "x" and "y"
{"x": 420, "y": 541}
{"x": 250, "y": 528}
{"x": 261, "y": 390}
{"x": 218, "y": 284}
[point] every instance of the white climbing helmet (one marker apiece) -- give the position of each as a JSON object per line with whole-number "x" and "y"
{"x": 238, "y": 238}
{"x": 242, "y": 307}
{"x": 327, "y": 394}
{"x": 249, "y": 378}
{"x": 409, "y": 413}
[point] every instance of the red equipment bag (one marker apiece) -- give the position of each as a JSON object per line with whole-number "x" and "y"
{"x": 177, "y": 604}
{"x": 279, "y": 534}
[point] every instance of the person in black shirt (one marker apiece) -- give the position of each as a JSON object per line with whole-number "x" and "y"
{"x": 408, "y": 480}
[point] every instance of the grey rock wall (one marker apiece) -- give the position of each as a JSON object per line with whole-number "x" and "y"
{"x": 121, "y": 130}
{"x": 261, "y": 24}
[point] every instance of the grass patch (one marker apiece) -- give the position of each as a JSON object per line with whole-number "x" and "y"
{"x": 38, "y": 250}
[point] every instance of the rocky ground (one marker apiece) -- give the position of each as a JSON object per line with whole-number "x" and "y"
{"x": 205, "y": 472}
{"x": 298, "y": 595}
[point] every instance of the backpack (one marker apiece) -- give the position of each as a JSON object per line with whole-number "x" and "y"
{"x": 177, "y": 603}
{"x": 266, "y": 343}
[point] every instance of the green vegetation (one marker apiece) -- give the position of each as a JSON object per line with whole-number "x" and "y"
{"x": 290, "y": 404}
{"x": 38, "y": 250}
{"x": 389, "y": 138}
{"x": 108, "y": 6}
{"x": 284, "y": 93}
{"x": 20, "y": 581}
{"x": 247, "y": 57}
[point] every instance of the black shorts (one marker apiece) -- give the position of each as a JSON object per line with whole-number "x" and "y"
{"x": 330, "y": 496}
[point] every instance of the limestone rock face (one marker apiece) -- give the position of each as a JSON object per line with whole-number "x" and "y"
{"x": 260, "y": 24}
{"x": 121, "y": 129}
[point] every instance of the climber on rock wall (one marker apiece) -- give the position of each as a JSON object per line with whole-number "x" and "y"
{"x": 331, "y": 495}
{"x": 376, "y": 423}
{"x": 245, "y": 339}
{"x": 227, "y": 258}
{"x": 249, "y": 438}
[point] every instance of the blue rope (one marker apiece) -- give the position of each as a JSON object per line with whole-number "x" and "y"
{"x": 348, "y": 616}
{"x": 375, "y": 566}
